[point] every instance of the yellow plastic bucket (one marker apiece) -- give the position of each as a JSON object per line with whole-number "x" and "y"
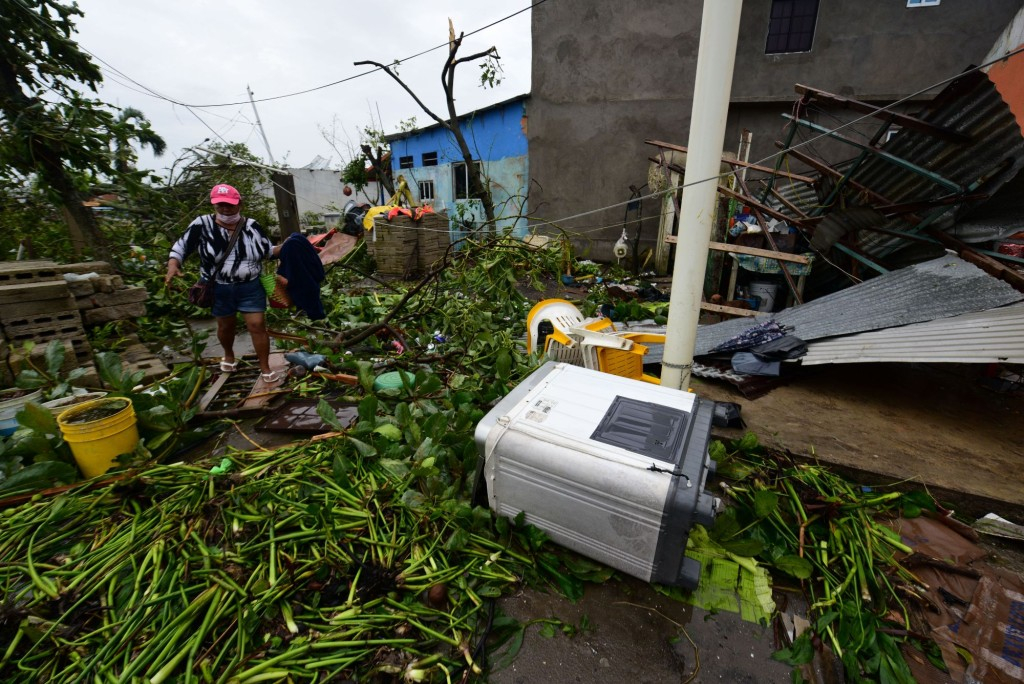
{"x": 98, "y": 432}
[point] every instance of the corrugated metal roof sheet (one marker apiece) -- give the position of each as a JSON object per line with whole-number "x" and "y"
{"x": 996, "y": 335}
{"x": 935, "y": 289}
{"x": 971, "y": 105}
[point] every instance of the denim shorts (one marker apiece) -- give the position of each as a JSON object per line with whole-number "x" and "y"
{"x": 232, "y": 298}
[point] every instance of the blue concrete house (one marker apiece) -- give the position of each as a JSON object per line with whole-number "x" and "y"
{"x": 430, "y": 160}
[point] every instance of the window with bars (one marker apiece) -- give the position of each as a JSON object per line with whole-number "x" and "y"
{"x": 429, "y": 158}
{"x": 426, "y": 190}
{"x": 791, "y": 27}
{"x": 405, "y": 162}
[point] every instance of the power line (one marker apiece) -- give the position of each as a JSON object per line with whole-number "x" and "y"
{"x": 396, "y": 62}
{"x": 770, "y": 157}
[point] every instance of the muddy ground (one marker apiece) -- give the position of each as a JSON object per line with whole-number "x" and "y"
{"x": 934, "y": 425}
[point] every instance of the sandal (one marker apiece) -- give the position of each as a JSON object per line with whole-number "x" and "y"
{"x": 229, "y": 366}
{"x": 272, "y": 376}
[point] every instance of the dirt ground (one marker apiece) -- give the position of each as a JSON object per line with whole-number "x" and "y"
{"x": 930, "y": 424}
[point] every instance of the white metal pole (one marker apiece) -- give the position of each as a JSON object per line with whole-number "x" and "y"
{"x": 259, "y": 125}
{"x": 719, "y": 30}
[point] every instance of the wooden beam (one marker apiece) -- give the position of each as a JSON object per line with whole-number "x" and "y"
{"x": 287, "y": 207}
{"x": 211, "y": 393}
{"x": 730, "y": 310}
{"x": 751, "y": 251}
{"x": 765, "y": 209}
{"x": 904, "y": 120}
{"x": 748, "y": 165}
{"x": 822, "y": 167}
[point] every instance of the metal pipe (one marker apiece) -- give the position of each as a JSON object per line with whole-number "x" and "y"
{"x": 719, "y": 30}
{"x": 259, "y": 125}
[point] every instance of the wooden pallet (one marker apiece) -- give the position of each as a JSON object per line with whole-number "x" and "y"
{"x": 242, "y": 392}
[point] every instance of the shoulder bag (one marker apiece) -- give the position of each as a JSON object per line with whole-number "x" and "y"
{"x": 201, "y": 294}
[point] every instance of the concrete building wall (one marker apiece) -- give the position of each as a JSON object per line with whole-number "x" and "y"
{"x": 608, "y": 75}
{"x": 320, "y": 192}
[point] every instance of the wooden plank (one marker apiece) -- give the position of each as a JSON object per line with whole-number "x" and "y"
{"x": 667, "y": 221}
{"x": 731, "y": 310}
{"x": 904, "y": 120}
{"x": 212, "y": 392}
{"x": 737, "y": 162}
{"x": 765, "y": 209}
{"x": 752, "y": 251}
{"x": 262, "y": 393}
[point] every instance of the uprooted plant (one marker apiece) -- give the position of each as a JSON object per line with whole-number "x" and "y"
{"x": 810, "y": 524}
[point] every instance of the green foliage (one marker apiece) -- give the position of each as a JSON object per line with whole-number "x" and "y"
{"x": 491, "y": 73}
{"x": 816, "y": 528}
{"x": 54, "y": 138}
{"x": 47, "y": 376}
{"x": 356, "y": 173}
{"x": 27, "y": 215}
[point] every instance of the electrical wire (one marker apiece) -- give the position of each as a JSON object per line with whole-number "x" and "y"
{"x": 774, "y": 155}
{"x": 154, "y": 93}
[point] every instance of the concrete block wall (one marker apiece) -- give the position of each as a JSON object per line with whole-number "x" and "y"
{"x": 42, "y": 301}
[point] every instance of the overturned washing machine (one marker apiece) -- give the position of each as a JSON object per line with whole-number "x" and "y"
{"x": 610, "y": 467}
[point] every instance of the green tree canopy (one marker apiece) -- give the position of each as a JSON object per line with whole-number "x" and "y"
{"x": 50, "y": 130}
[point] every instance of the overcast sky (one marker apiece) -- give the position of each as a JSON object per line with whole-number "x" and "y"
{"x": 205, "y": 53}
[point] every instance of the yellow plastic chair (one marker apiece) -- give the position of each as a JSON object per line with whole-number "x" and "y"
{"x": 619, "y": 353}
{"x": 592, "y": 343}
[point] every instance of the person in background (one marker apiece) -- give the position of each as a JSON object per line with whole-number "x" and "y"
{"x": 237, "y": 287}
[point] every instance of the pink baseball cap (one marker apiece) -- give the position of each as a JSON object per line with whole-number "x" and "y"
{"x": 223, "y": 193}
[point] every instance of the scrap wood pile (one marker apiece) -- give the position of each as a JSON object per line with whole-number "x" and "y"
{"x": 345, "y": 557}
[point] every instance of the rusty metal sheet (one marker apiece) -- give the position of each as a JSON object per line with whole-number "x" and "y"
{"x": 300, "y": 415}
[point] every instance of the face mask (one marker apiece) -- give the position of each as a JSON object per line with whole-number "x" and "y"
{"x": 228, "y": 220}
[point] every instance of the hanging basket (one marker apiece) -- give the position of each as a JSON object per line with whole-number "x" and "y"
{"x": 269, "y": 282}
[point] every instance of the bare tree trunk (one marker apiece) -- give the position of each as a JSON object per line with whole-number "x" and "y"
{"x": 478, "y": 188}
{"x": 383, "y": 174}
{"x": 82, "y": 227}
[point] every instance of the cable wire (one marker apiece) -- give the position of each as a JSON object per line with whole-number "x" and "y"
{"x": 770, "y": 157}
{"x": 306, "y": 91}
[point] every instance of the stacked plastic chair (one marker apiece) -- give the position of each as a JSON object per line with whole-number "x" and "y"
{"x": 592, "y": 343}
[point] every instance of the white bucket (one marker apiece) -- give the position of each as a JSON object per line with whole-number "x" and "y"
{"x": 766, "y": 291}
{"x": 11, "y": 401}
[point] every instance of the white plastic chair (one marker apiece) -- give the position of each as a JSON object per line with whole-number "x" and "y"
{"x": 591, "y": 343}
{"x": 560, "y": 344}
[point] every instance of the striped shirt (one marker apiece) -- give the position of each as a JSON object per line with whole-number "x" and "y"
{"x": 210, "y": 240}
